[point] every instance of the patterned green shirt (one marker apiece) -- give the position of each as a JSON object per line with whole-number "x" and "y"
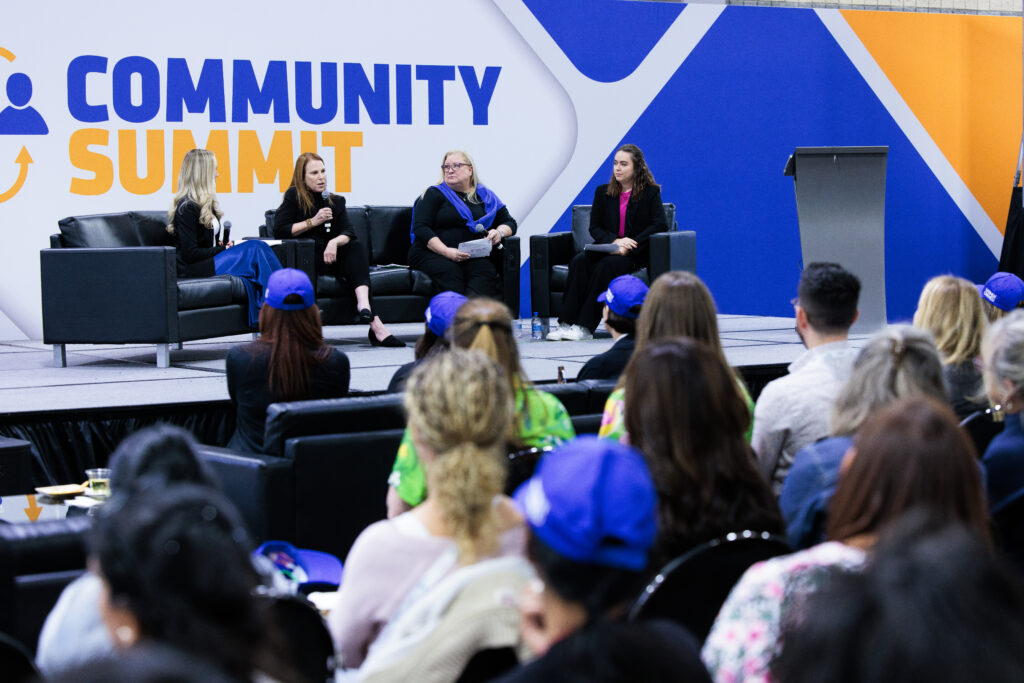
{"x": 546, "y": 424}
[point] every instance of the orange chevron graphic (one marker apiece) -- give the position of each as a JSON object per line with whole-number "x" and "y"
{"x": 961, "y": 76}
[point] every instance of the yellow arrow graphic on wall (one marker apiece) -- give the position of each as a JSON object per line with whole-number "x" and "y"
{"x": 33, "y": 509}
{"x": 24, "y": 159}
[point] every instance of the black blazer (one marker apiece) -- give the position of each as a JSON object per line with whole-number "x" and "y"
{"x": 644, "y": 217}
{"x": 611, "y": 363}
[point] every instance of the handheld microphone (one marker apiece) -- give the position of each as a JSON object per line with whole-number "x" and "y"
{"x": 227, "y": 231}
{"x": 327, "y": 198}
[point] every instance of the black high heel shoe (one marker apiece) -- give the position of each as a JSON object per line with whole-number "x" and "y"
{"x": 365, "y": 316}
{"x": 390, "y": 341}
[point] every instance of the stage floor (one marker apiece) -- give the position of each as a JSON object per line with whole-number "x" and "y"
{"x": 126, "y": 375}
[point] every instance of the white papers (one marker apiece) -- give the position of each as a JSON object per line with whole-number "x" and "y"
{"x": 476, "y": 248}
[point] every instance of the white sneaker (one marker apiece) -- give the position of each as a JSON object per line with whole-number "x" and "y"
{"x": 556, "y": 334}
{"x": 576, "y": 333}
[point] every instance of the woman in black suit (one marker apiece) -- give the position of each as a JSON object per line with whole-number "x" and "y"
{"x": 309, "y": 211}
{"x": 626, "y": 212}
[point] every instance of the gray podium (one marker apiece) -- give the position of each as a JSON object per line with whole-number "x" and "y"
{"x": 840, "y": 203}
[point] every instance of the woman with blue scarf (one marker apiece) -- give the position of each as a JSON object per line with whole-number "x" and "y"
{"x": 458, "y": 209}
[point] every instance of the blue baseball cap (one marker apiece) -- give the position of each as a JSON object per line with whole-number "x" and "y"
{"x": 302, "y": 566}
{"x": 441, "y": 311}
{"x": 593, "y": 501}
{"x": 1003, "y": 290}
{"x": 623, "y": 294}
{"x": 289, "y": 281}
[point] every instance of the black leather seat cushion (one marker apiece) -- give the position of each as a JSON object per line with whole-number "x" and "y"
{"x": 387, "y": 281}
{"x": 333, "y": 287}
{"x": 207, "y": 292}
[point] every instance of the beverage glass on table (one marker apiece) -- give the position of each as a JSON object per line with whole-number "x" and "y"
{"x": 99, "y": 481}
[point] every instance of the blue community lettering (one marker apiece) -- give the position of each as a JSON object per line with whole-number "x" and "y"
{"x": 136, "y": 91}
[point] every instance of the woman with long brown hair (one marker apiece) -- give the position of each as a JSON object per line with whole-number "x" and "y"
{"x": 909, "y": 456}
{"x": 289, "y": 362}
{"x": 310, "y": 211}
{"x": 678, "y": 305}
{"x": 687, "y": 419}
{"x": 625, "y": 213}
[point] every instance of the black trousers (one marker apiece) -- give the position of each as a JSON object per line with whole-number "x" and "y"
{"x": 353, "y": 264}
{"x": 475, "y": 277}
{"x": 590, "y": 273}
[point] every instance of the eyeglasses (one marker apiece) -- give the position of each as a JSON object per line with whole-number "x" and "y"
{"x": 452, "y": 167}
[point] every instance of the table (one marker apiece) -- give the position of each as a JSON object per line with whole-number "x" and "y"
{"x": 28, "y": 508}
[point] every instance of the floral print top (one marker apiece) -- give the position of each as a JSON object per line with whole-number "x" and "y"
{"x": 745, "y": 637}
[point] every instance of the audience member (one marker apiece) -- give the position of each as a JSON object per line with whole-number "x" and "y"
{"x": 931, "y": 605}
{"x": 176, "y": 570}
{"x": 403, "y": 574}
{"x": 147, "y": 663}
{"x": 439, "y": 316}
{"x": 1001, "y": 294}
{"x": 792, "y": 411}
{"x": 289, "y": 362}
{"x": 591, "y": 511}
{"x": 150, "y": 458}
{"x": 622, "y": 301}
{"x": 897, "y": 362}
{"x": 308, "y": 210}
{"x": 1003, "y": 361}
{"x": 625, "y": 213}
{"x": 191, "y": 220}
{"x": 951, "y": 311}
{"x": 911, "y": 454}
{"x": 459, "y": 208}
{"x": 540, "y": 420}
{"x": 678, "y": 305}
{"x": 688, "y": 421}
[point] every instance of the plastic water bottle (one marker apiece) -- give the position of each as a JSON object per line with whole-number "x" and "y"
{"x": 536, "y": 328}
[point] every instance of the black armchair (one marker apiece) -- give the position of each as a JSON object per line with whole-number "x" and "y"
{"x": 112, "y": 279}
{"x": 551, "y": 253}
{"x": 691, "y": 589}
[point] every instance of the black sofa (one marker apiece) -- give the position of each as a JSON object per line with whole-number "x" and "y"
{"x": 37, "y": 561}
{"x": 551, "y": 253}
{"x": 112, "y": 279}
{"x": 400, "y": 294}
{"x": 323, "y": 477}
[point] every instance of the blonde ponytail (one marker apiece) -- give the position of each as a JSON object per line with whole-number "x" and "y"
{"x": 460, "y": 405}
{"x": 464, "y": 481}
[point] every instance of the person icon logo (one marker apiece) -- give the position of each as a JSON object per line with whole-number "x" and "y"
{"x": 19, "y": 118}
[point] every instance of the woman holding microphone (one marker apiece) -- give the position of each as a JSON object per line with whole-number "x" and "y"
{"x": 310, "y": 211}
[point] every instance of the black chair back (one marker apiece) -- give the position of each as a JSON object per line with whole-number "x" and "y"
{"x": 691, "y": 588}
{"x": 521, "y": 465}
{"x": 982, "y": 426}
{"x": 309, "y": 648}
{"x": 15, "y": 661}
{"x": 1008, "y": 521}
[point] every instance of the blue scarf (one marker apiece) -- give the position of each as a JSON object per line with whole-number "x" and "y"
{"x": 492, "y": 205}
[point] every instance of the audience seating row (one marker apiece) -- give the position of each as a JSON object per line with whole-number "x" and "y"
{"x": 323, "y": 476}
{"x": 36, "y": 562}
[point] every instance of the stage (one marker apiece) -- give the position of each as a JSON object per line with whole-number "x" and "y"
{"x": 74, "y": 416}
